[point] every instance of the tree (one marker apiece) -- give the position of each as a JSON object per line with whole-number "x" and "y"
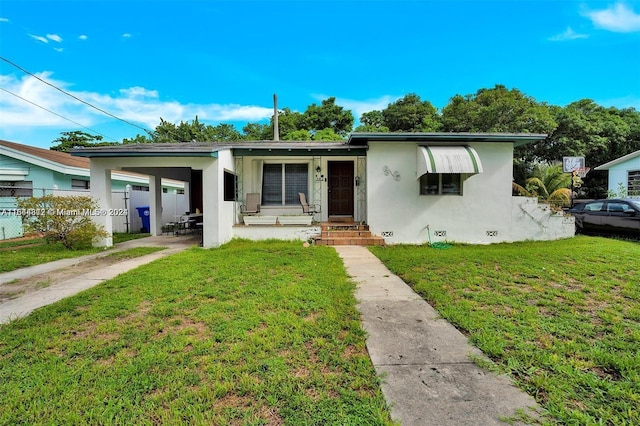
{"x": 372, "y": 121}
{"x": 62, "y": 219}
{"x": 326, "y": 135}
{"x": 257, "y": 132}
{"x": 410, "y": 114}
{"x": 77, "y": 138}
{"x": 497, "y": 110}
{"x": 289, "y": 121}
{"x": 548, "y": 183}
{"x": 222, "y": 133}
{"x": 328, "y": 115}
{"x": 297, "y": 135}
{"x": 589, "y": 130}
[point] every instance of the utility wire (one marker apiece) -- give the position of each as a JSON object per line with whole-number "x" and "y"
{"x": 74, "y": 97}
{"x": 54, "y": 113}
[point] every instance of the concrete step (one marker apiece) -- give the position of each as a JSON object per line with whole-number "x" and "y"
{"x": 350, "y": 241}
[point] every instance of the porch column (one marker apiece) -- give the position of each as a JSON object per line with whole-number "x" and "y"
{"x": 100, "y": 177}
{"x": 155, "y": 205}
{"x": 210, "y": 205}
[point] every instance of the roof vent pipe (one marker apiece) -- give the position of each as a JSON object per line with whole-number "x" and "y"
{"x": 276, "y": 131}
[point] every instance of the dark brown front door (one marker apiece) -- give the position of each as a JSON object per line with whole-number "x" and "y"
{"x": 341, "y": 188}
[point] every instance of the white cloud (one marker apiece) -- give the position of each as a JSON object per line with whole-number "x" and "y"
{"x": 54, "y": 37}
{"x": 569, "y": 34}
{"x": 136, "y": 105}
{"x": 4, "y": 20}
{"x": 126, "y": 35}
{"x": 82, "y": 37}
{"x": 618, "y": 18}
{"x": 135, "y": 92}
{"x": 39, "y": 38}
{"x": 58, "y": 49}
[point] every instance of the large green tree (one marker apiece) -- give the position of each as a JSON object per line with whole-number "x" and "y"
{"x": 410, "y": 114}
{"x": 77, "y": 139}
{"x": 497, "y": 110}
{"x": 328, "y": 115}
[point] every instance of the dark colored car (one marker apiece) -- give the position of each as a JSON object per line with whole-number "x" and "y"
{"x": 610, "y": 216}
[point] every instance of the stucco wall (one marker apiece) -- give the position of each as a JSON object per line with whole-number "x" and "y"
{"x": 484, "y": 213}
{"x": 618, "y": 174}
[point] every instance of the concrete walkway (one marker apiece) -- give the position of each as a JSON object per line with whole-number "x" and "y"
{"x": 427, "y": 375}
{"x": 24, "y": 305}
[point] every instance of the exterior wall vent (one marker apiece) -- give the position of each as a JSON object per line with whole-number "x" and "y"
{"x": 439, "y": 233}
{"x": 492, "y": 233}
{"x": 386, "y": 234}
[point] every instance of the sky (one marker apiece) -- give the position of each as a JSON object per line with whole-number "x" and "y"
{"x": 115, "y": 68}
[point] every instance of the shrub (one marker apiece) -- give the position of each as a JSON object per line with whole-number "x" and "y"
{"x": 62, "y": 219}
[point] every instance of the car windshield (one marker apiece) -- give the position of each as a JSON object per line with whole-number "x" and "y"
{"x": 636, "y": 203}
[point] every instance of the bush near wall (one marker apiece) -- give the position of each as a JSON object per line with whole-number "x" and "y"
{"x": 62, "y": 219}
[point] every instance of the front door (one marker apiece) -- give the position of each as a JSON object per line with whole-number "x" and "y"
{"x": 340, "y": 188}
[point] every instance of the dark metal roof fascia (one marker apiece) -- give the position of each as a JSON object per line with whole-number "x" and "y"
{"x": 94, "y": 154}
{"x": 301, "y": 151}
{"x": 516, "y": 138}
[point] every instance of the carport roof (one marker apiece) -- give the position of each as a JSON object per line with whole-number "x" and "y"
{"x": 209, "y": 149}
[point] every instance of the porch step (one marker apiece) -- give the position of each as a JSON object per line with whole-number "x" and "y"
{"x": 336, "y": 234}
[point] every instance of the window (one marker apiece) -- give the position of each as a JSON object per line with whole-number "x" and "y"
{"x": 230, "y": 186}
{"x": 16, "y": 189}
{"x": 282, "y": 182}
{"x": 79, "y": 184}
{"x": 441, "y": 184}
{"x": 140, "y": 188}
{"x": 633, "y": 183}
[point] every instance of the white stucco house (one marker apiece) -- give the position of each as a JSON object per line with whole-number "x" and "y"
{"x": 624, "y": 172}
{"x": 407, "y": 187}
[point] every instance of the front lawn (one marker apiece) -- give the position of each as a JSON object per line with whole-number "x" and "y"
{"x": 562, "y": 317}
{"x": 248, "y": 333}
{"x": 24, "y": 253}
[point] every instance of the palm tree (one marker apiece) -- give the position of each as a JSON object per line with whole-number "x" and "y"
{"x": 547, "y": 182}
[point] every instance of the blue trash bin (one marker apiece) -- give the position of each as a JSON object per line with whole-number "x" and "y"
{"x": 144, "y": 214}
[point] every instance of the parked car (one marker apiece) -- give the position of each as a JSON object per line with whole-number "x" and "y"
{"x": 610, "y": 216}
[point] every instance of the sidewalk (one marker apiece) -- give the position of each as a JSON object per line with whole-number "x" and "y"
{"x": 427, "y": 375}
{"x": 24, "y": 305}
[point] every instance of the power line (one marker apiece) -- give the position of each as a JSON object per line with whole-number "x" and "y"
{"x": 74, "y": 97}
{"x": 54, "y": 113}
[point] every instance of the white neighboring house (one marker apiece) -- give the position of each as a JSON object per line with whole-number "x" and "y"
{"x": 624, "y": 172}
{"x": 408, "y": 187}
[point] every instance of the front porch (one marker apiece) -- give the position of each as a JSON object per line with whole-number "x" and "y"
{"x": 324, "y": 233}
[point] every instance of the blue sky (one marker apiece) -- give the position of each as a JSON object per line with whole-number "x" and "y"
{"x": 223, "y": 60}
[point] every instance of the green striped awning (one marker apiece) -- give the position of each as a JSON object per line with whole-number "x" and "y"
{"x": 447, "y": 159}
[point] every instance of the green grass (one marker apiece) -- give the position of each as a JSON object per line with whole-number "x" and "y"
{"x": 562, "y": 317}
{"x": 36, "y": 251}
{"x": 248, "y": 333}
{"x": 21, "y": 257}
{"x": 16, "y": 242}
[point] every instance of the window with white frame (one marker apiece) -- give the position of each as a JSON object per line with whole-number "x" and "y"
{"x": 282, "y": 182}
{"x": 441, "y": 184}
{"x": 633, "y": 183}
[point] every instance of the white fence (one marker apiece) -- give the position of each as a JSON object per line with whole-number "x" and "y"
{"x": 173, "y": 205}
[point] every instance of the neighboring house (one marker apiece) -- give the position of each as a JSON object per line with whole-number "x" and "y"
{"x": 408, "y": 187}
{"x": 624, "y": 172}
{"x": 26, "y": 170}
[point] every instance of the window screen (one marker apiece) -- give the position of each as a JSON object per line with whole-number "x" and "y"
{"x": 282, "y": 182}
{"x": 272, "y": 185}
